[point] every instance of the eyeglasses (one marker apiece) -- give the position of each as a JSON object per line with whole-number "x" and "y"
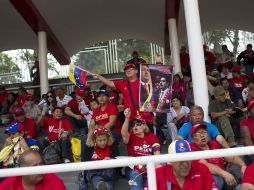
{"x": 137, "y": 124}
{"x": 201, "y": 133}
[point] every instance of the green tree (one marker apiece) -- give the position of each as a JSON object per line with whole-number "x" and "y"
{"x": 9, "y": 70}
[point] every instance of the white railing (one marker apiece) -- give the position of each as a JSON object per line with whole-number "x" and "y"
{"x": 148, "y": 160}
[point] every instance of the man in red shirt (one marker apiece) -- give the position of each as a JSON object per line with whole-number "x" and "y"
{"x": 37, "y": 181}
{"x": 131, "y": 99}
{"x": 28, "y": 124}
{"x": 238, "y": 81}
{"x": 78, "y": 112}
{"x": 222, "y": 176}
{"x": 21, "y": 99}
{"x": 184, "y": 175}
{"x": 58, "y": 130}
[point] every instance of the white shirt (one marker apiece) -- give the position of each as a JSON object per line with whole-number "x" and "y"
{"x": 64, "y": 101}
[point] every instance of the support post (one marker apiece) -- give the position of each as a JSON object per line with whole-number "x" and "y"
{"x": 151, "y": 176}
{"x": 173, "y": 37}
{"x": 196, "y": 52}
{"x": 43, "y": 63}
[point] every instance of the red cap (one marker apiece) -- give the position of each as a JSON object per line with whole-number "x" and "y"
{"x": 100, "y": 130}
{"x": 250, "y": 105}
{"x": 224, "y": 65}
{"x": 194, "y": 128}
{"x": 128, "y": 65}
{"x": 57, "y": 107}
{"x": 236, "y": 69}
{"x": 30, "y": 97}
{"x": 80, "y": 91}
{"x": 139, "y": 118}
{"x": 19, "y": 111}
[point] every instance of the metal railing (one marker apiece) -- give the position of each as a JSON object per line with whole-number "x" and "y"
{"x": 150, "y": 161}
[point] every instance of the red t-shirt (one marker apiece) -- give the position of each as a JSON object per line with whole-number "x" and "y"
{"x": 142, "y": 146}
{"x": 185, "y": 60}
{"x": 213, "y": 145}
{"x": 73, "y": 104}
{"x": 51, "y": 126}
{"x": 239, "y": 83}
{"x": 248, "y": 176}
{"x": 101, "y": 153}
{"x": 49, "y": 182}
{"x": 101, "y": 118}
{"x": 28, "y": 127}
{"x": 3, "y": 98}
{"x": 199, "y": 178}
{"x": 122, "y": 86}
{"x": 250, "y": 125}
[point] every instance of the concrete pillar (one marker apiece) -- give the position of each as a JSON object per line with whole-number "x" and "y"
{"x": 173, "y": 37}
{"x": 197, "y": 61}
{"x": 43, "y": 62}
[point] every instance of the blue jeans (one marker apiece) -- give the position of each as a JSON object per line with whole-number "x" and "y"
{"x": 105, "y": 175}
{"x": 136, "y": 177}
{"x": 219, "y": 181}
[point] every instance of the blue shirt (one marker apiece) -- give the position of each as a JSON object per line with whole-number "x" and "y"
{"x": 184, "y": 131}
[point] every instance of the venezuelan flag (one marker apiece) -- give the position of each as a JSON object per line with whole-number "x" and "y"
{"x": 77, "y": 76}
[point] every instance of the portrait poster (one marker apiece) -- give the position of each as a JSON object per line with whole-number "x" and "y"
{"x": 155, "y": 88}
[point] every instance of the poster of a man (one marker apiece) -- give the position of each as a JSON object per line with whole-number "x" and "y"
{"x": 155, "y": 87}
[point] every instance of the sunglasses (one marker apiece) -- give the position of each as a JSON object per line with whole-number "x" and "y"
{"x": 50, "y": 96}
{"x": 137, "y": 124}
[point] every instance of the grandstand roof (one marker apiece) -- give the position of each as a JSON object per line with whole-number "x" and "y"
{"x": 73, "y": 25}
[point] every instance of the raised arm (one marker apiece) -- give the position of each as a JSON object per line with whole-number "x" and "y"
{"x": 125, "y": 127}
{"x": 105, "y": 81}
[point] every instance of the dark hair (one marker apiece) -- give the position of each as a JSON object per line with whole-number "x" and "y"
{"x": 53, "y": 96}
{"x": 222, "y": 79}
{"x": 176, "y": 96}
{"x": 22, "y": 158}
{"x": 249, "y": 45}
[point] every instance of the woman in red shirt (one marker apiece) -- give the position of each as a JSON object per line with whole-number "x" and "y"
{"x": 140, "y": 142}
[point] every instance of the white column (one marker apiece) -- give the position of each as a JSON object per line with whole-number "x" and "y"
{"x": 43, "y": 62}
{"x": 173, "y": 37}
{"x": 151, "y": 176}
{"x": 197, "y": 61}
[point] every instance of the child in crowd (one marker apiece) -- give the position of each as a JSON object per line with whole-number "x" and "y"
{"x": 100, "y": 146}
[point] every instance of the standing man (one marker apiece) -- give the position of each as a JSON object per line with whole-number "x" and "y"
{"x": 130, "y": 91}
{"x": 37, "y": 181}
{"x": 248, "y": 59}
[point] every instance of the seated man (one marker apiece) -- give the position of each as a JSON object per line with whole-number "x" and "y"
{"x": 78, "y": 112}
{"x": 197, "y": 116}
{"x": 31, "y": 109}
{"x": 58, "y": 130}
{"x": 13, "y": 147}
{"x": 221, "y": 110}
{"x": 216, "y": 165}
{"x": 29, "y": 128}
{"x": 61, "y": 98}
{"x": 37, "y": 181}
{"x": 185, "y": 175}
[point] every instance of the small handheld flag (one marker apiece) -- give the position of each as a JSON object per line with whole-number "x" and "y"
{"x": 77, "y": 76}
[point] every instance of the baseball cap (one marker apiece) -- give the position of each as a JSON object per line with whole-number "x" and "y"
{"x": 104, "y": 92}
{"x": 194, "y": 128}
{"x": 218, "y": 91}
{"x": 30, "y": 97}
{"x": 128, "y": 65}
{"x": 14, "y": 128}
{"x": 57, "y": 107}
{"x": 236, "y": 69}
{"x": 250, "y": 105}
{"x": 19, "y": 111}
{"x": 179, "y": 146}
{"x": 80, "y": 91}
{"x": 138, "y": 118}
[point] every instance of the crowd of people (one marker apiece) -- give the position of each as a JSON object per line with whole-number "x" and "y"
{"x": 108, "y": 118}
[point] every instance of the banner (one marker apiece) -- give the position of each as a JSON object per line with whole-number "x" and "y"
{"x": 155, "y": 88}
{"x": 77, "y": 76}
